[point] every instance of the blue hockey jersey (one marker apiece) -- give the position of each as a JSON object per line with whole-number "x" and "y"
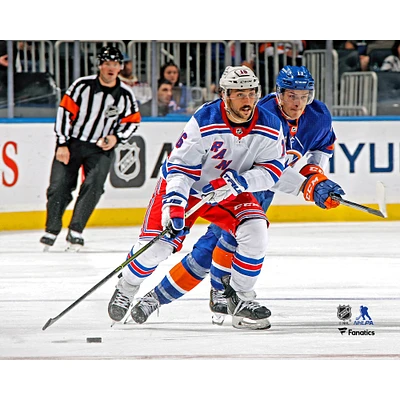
{"x": 312, "y": 135}
{"x": 312, "y": 132}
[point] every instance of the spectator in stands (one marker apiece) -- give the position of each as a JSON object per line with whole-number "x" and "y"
{"x": 165, "y": 102}
{"x": 27, "y": 57}
{"x": 392, "y": 62}
{"x": 170, "y": 71}
{"x": 378, "y": 44}
{"x": 284, "y": 52}
{"x": 4, "y": 66}
{"x": 284, "y": 48}
{"x": 350, "y": 66}
{"x": 3, "y": 55}
{"x": 142, "y": 90}
{"x": 126, "y": 74}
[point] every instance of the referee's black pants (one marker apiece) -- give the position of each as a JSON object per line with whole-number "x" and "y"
{"x": 63, "y": 181}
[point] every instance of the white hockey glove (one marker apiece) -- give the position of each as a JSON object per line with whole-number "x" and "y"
{"x": 227, "y": 187}
{"x": 173, "y": 214}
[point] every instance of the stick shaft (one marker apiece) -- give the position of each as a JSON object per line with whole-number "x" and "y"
{"x": 105, "y": 279}
{"x": 357, "y": 206}
{"x": 125, "y": 263}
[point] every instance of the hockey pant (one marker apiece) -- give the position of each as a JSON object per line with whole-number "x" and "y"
{"x": 226, "y": 246}
{"x": 212, "y": 253}
{"x": 246, "y": 261}
{"x": 242, "y": 216}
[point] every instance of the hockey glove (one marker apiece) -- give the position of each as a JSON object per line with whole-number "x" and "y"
{"x": 173, "y": 214}
{"x": 319, "y": 188}
{"x": 228, "y": 186}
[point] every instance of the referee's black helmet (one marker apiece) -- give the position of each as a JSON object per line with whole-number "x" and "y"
{"x": 110, "y": 53}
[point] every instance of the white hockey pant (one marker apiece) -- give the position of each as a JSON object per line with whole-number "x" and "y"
{"x": 252, "y": 239}
{"x": 146, "y": 262}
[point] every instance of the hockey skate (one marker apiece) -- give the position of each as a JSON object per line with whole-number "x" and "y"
{"x": 75, "y": 241}
{"x": 145, "y": 307}
{"x": 121, "y": 300}
{"x": 246, "y": 313}
{"x": 48, "y": 240}
{"x": 218, "y": 306}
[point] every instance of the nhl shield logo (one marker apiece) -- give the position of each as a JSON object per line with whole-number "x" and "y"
{"x": 111, "y": 111}
{"x": 128, "y": 167}
{"x": 126, "y": 164}
{"x": 344, "y": 312}
{"x": 239, "y": 131}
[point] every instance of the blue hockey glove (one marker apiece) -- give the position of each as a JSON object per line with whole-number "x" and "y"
{"x": 319, "y": 188}
{"x": 173, "y": 214}
{"x": 228, "y": 186}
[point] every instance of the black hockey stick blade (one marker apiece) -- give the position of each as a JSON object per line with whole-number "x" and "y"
{"x": 51, "y": 321}
{"x": 357, "y": 206}
{"x": 105, "y": 279}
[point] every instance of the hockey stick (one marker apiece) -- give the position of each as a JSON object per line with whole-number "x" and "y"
{"x": 381, "y": 201}
{"x": 51, "y": 321}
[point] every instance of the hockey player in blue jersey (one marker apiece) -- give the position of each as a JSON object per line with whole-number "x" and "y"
{"x": 308, "y": 131}
{"x": 229, "y": 148}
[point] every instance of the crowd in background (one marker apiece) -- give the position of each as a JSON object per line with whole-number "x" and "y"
{"x": 173, "y": 94}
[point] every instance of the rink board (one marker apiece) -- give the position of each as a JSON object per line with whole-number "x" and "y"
{"x": 366, "y": 151}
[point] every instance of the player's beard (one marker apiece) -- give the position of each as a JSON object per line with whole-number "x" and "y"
{"x": 237, "y": 114}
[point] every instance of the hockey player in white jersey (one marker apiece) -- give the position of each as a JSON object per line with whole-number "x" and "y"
{"x": 230, "y": 148}
{"x": 307, "y": 126}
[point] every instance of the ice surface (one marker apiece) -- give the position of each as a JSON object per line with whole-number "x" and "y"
{"x": 310, "y": 270}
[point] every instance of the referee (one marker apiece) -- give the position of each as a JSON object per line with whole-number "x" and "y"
{"x": 96, "y": 113}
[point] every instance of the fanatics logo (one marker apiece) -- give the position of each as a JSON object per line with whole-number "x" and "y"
{"x": 342, "y": 330}
{"x": 354, "y": 332}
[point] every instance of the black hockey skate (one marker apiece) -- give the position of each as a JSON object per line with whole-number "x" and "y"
{"x": 218, "y": 305}
{"x": 75, "y": 241}
{"x": 145, "y": 307}
{"x": 121, "y": 300}
{"x": 246, "y": 313}
{"x": 48, "y": 240}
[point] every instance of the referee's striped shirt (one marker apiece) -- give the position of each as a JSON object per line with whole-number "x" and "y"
{"x": 89, "y": 111}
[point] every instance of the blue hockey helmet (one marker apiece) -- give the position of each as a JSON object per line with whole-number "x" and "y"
{"x": 295, "y": 78}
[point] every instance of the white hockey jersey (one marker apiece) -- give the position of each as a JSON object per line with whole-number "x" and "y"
{"x": 210, "y": 144}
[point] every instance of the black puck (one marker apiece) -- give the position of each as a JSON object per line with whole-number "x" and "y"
{"x": 93, "y": 340}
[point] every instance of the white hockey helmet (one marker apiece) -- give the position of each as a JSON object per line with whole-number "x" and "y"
{"x": 239, "y": 78}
